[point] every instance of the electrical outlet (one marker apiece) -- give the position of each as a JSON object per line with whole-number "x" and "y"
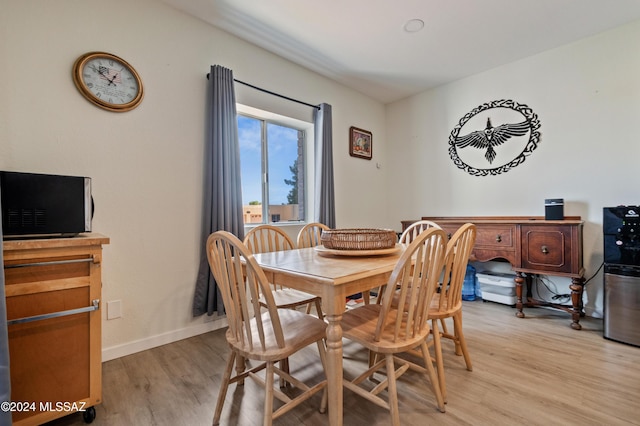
{"x": 114, "y": 309}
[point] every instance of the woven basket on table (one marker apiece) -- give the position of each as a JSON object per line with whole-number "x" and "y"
{"x": 358, "y": 239}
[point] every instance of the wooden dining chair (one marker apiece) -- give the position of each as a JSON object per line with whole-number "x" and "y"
{"x": 416, "y": 228}
{"x": 269, "y": 238}
{"x": 389, "y": 330}
{"x": 258, "y": 330}
{"x": 412, "y": 231}
{"x": 447, "y": 303}
{"x": 310, "y": 234}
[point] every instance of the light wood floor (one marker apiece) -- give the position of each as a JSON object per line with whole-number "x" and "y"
{"x": 533, "y": 371}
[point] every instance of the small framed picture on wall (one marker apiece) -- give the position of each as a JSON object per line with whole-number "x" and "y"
{"x": 360, "y": 143}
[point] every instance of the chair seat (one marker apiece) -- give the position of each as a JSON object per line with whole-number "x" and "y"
{"x": 359, "y": 324}
{"x": 299, "y": 330}
{"x": 290, "y": 298}
{"x": 439, "y": 307}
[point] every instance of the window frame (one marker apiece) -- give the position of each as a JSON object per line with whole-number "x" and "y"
{"x": 308, "y": 153}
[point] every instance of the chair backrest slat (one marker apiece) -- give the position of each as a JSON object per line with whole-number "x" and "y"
{"x": 268, "y": 238}
{"x": 414, "y": 278}
{"x": 310, "y": 234}
{"x": 415, "y": 229}
{"x": 457, "y": 257}
{"x": 241, "y": 281}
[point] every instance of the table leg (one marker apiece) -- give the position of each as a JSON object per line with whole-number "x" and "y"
{"x": 334, "y": 368}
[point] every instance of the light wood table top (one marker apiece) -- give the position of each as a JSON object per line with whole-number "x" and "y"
{"x": 332, "y": 277}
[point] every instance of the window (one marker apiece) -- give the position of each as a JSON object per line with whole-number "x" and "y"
{"x": 274, "y": 167}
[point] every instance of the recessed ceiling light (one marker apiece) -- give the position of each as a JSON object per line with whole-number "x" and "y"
{"x": 414, "y": 25}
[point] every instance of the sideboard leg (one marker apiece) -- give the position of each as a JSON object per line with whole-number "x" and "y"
{"x": 577, "y": 288}
{"x": 519, "y": 279}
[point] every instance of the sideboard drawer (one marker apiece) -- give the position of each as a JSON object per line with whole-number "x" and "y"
{"x": 547, "y": 248}
{"x": 450, "y": 228}
{"x": 496, "y": 237}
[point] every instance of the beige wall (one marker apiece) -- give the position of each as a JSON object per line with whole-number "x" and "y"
{"x": 587, "y": 97}
{"x": 146, "y": 164}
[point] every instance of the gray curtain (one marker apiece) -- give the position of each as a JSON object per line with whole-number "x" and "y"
{"x": 5, "y": 375}
{"x": 222, "y": 185}
{"x": 325, "y": 211}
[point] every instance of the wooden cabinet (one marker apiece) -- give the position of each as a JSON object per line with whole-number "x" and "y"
{"x": 53, "y": 290}
{"x": 532, "y": 246}
{"x": 549, "y": 248}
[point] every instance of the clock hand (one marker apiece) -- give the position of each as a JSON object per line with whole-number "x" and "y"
{"x": 102, "y": 71}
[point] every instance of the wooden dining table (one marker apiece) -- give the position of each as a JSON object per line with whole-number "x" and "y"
{"x": 333, "y": 277}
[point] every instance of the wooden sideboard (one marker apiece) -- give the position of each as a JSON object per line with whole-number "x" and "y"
{"x": 52, "y": 292}
{"x": 532, "y": 245}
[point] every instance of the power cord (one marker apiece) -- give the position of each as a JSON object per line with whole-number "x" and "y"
{"x": 594, "y": 274}
{"x": 556, "y": 296}
{"x": 548, "y": 284}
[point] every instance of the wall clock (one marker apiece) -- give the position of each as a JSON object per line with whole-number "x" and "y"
{"x": 108, "y": 81}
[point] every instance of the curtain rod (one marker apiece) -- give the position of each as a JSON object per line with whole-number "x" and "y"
{"x": 273, "y": 93}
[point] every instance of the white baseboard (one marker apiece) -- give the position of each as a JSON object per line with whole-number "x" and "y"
{"x": 124, "y": 349}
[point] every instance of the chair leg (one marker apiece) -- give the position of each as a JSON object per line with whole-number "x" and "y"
{"x": 319, "y": 309}
{"x": 445, "y": 333}
{"x": 268, "y": 395}
{"x": 443, "y": 325}
{"x": 373, "y": 358}
{"x": 457, "y": 325}
{"x": 437, "y": 347}
{"x": 241, "y": 365}
{"x": 433, "y": 377}
{"x": 222, "y": 394}
{"x": 322, "y": 350}
{"x": 392, "y": 391}
{"x": 284, "y": 366}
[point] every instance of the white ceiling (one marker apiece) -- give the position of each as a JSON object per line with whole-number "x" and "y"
{"x": 362, "y": 43}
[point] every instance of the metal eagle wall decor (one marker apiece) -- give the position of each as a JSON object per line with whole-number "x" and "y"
{"x": 483, "y": 149}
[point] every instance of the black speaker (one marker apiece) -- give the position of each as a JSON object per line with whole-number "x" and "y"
{"x": 554, "y": 209}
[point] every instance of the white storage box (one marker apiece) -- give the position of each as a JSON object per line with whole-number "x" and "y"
{"x": 497, "y": 287}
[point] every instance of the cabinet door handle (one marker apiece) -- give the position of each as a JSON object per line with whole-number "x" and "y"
{"x": 498, "y": 238}
{"x": 544, "y": 250}
{"x": 94, "y": 307}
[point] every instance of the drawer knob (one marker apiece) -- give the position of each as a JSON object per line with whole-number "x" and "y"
{"x": 498, "y": 238}
{"x": 544, "y": 249}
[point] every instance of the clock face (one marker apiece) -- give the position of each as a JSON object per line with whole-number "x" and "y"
{"x": 108, "y": 81}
